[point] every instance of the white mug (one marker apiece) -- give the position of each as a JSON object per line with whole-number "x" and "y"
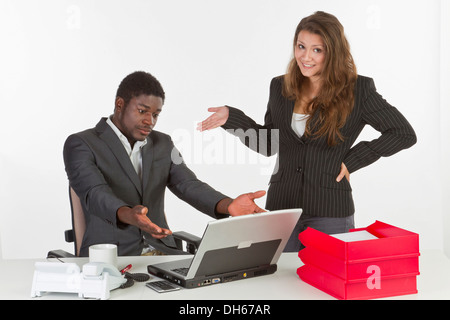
{"x": 106, "y": 253}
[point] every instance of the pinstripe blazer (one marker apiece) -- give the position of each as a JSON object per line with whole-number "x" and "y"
{"x": 306, "y": 171}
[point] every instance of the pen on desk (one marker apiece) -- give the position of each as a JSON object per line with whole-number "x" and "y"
{"x": 128, "y": 267}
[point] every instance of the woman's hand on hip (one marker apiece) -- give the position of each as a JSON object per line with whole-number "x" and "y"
{"x": 344, "y": 173}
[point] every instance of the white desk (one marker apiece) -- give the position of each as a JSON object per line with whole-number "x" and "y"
{"x": 433, "y": 282}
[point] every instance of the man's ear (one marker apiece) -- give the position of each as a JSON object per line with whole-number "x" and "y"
{"x": 119, "y": 105}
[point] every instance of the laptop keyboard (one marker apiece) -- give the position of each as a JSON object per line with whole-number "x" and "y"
{"x": 182, "y": 271}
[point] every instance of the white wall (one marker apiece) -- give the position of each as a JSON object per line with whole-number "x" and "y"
{"x": 445, "y": 120}
{"x": 61, "y": 62}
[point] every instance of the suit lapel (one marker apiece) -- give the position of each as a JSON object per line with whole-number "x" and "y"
{"x": 288, "y": 121}
{"x": 147, "y": 159}
{"x": 113, "y": 142}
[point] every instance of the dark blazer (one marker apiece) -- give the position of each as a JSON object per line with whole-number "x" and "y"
{"x": 101, "y": 173}
{"x": 306, "y": 171}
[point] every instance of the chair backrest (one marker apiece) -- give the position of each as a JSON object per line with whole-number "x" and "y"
{"x": 78, "y": 220}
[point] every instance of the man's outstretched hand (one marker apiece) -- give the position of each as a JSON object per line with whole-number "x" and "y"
{"x": 245, "y": 204}
{"x": 137, "y": 216}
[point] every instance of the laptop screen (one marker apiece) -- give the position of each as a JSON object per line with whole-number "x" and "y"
{"x": 233, "y": 258}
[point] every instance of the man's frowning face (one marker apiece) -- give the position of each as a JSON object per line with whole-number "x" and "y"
{"x": 137, "y": 118}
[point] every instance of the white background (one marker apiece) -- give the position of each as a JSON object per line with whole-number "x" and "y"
{"x": 61, "y": 63}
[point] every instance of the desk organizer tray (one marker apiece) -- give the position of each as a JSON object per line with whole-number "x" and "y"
{"x": 391, "y": 241}
{"x": 345, "y": 268}
{"x": 339, "y": 288}
{"x": 358, "y": 269}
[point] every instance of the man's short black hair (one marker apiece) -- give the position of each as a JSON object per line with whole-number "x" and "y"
{"x": 138, "y": 83}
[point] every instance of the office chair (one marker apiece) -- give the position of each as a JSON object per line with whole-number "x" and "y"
{"x": 76, "y": 234}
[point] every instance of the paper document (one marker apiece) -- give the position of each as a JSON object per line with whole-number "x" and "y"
{"x": 354, "y": 236}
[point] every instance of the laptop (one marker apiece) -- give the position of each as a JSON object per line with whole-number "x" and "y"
{"x": 232, "y": 249}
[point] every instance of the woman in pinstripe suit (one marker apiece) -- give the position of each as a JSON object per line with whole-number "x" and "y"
{"x": 315, "y": 113}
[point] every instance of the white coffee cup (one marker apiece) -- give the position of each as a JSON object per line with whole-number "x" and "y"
{"x": 106, "y": 253}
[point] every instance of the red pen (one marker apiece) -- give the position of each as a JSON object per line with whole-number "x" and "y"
{"x": 128, "y": 267}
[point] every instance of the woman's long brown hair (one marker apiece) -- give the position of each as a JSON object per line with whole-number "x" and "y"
{"x": 336, "y": 97}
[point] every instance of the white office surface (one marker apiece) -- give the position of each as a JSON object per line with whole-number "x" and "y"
{"x": 433, "y": 282}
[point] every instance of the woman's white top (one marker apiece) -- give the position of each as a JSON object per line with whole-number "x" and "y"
{"x": 299, "y": 123}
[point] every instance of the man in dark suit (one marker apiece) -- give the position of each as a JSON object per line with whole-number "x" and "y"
{"x": 120, "y": 170}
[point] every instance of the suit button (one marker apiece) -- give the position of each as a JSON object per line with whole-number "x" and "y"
{"x": 299, "y": 170}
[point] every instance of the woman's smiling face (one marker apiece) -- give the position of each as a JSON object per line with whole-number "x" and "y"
{"x": 310, "y": 54}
